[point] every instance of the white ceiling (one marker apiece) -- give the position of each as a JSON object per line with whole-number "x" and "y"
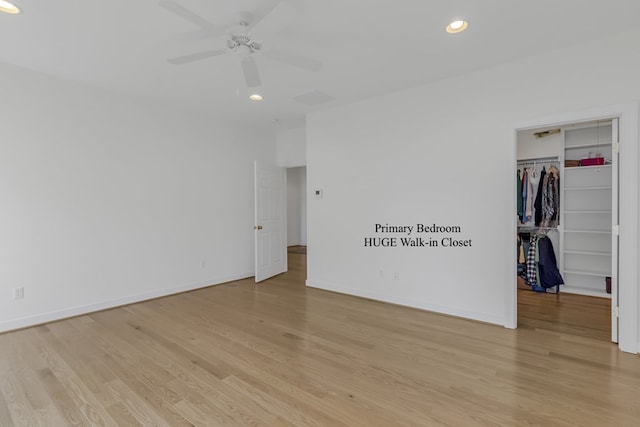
{"x": 367, "y": 47}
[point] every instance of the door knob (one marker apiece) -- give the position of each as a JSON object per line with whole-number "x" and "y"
{"x": 257, "y": 227}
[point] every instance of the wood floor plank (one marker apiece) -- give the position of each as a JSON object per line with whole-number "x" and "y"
{"x": 204, "y": 409}
{"x": 246, "y": 359}
{"x": 135, "y": 405}
{"x": 75, "y": 388}
{"x": 63, "y": 401}
{"x": 5, "y": 415}
{"x": 226, "y": 399}
{"x": 280, "y": 375}
{"x": 291, "y": 411}
{"x": 204, "y": 415}
{"x": 44, "y": 410}
{"x": 152, "y": 389}
{"x": 121, "y": 415}
{"x": 281, "y": 354}
{"x": 18, "y": 393}
{"x": 21, "y": 411}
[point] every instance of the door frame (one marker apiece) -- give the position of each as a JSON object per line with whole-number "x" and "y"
{"x": 628, "y": 188}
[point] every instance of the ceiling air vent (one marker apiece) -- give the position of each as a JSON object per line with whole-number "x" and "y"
{"x": 314, "y": 98}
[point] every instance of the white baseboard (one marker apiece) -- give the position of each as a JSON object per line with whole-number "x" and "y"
{"x": 422, "y": 305}
{"x": 25, "y": 322}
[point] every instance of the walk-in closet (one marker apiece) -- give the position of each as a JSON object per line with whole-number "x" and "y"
{"x": 567, "y": 213}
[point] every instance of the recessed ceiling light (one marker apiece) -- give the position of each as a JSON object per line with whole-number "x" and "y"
{"x": 255, "y": 97}
{"x": 457, "y": 27}
{"x": 7, "y": 7}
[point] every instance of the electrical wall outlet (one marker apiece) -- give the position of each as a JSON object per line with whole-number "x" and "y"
{"x": 18, "y": 293}
{"x": 396, "y": 276}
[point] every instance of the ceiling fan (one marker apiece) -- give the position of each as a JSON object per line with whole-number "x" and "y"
{"x": 238, "y": 40}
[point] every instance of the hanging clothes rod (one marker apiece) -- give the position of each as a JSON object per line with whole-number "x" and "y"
{"x": 533, "y": 228}
{"x": 540, "y": 159}
{"x": 539, "y": 232}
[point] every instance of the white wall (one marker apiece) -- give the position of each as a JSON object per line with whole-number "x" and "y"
{"x": 106, "y": 200}
{"x": 530, "y": 147}
{"x": 297, "y": 206}
{"x": 444, "y": 154}
{"x": 291, "y": 147}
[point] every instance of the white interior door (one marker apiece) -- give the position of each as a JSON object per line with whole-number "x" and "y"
{"x": 614, "y": 229}
{"x": 270, "y": 221}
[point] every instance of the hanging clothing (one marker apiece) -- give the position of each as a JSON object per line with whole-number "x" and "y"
{"x": 549, "y": 276}
{"x": 521, "y": 258}
{"x": 537, "y": 204}
{"x": 538, "y": 195}
{"x": 528, "y": 209}
{"x": 519, "y": 194}
{"x": 534, "y": 178}
{"x": 532, "y": 274}
{"x": 551, "y": 198}
{"x": 525, "y": 190}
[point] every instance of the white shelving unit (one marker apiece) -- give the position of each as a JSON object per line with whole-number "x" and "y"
{"x": 586, "y": 212}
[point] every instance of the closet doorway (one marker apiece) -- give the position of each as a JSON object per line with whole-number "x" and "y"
{"x": 567, "y": 228}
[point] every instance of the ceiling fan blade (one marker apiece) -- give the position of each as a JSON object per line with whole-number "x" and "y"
{"x": 294, "y": 60}
{"x": 273, "y": 19}
{"x": 188, "y": 15}
{"x": 197, "y": 35}
{"x": 197, "y": 56}
{"x": 250, "y": 70}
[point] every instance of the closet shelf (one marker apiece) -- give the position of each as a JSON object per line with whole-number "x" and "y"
{"x": 587, "y": 212}
{"x": 582, "y": 146}
{"x": 588, "y": 231}
{"x": 572, "y": 168}
{"x": 587, "y": 188}
{"x": 587, "y": 253}
{"x": 588, "y": 273}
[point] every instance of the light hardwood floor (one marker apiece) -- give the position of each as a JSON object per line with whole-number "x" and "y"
{"x": 567, "y": 313}
{"x": 281, "y": 354}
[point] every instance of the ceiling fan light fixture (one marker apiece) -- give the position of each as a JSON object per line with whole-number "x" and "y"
{"x": 243, "y": 50}
{"x": 7, "y": 7}
{"x": 256, "y": 97}
{"x": 457, "y": 26}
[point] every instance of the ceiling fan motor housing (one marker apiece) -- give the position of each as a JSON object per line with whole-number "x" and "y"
{"x": 235, "y": 41}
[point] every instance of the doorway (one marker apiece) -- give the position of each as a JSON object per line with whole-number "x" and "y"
{"x": 280, "y": 217}
{"x": 567, "y": 239}
{"x": 297, "y": 209}
{"x": 297, "y": 222}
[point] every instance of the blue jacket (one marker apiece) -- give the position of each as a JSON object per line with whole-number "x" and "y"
{"x": 549, "y": 274}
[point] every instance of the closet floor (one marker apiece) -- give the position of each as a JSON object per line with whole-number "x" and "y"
{"x": 565, "y": 313}
{"x": 298, "y": 249}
